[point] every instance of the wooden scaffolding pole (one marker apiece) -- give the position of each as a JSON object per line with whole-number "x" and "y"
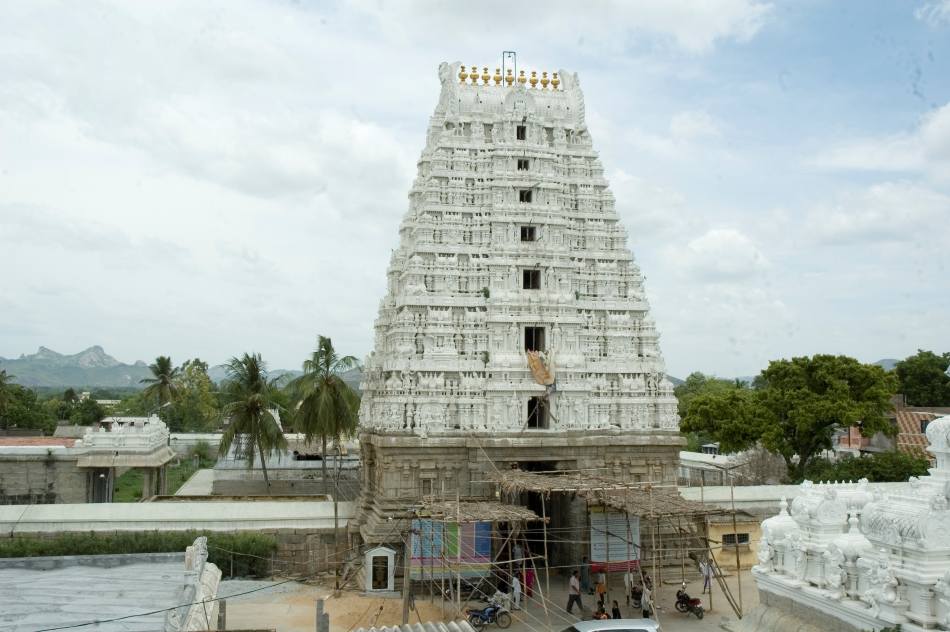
{"x": 458, "y": 546}
{"x": 547, "y": 561}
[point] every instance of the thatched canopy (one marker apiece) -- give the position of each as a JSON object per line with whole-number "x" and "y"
{"x": 474, "y": 511}
{"x": 646, "y": 500}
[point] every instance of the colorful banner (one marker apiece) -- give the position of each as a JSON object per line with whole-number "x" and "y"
{"x": 435, "y": 549}
{"x": 610, "y": 546}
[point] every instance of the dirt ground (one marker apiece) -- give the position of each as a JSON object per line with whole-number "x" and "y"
{"x": 291, "y": 607}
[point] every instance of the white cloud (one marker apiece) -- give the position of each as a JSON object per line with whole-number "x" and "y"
{"x": 695, "y": 124}
{"x": 720, "y": 255}
{"x": 925, "y": 150}
{"x": 610, "y": 25}
{"x": 934, "y": 13}
{"x": 885, "y": 212}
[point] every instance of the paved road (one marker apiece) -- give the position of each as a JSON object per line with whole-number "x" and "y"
{"x": 290, "y": 608}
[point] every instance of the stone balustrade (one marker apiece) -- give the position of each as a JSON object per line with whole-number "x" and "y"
{"x": 144, "y": 436}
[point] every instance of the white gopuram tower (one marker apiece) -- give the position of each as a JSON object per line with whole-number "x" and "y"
{"x": 511, "y": 244}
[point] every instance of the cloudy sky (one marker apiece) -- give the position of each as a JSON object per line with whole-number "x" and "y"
{"x": 206, "y": 178}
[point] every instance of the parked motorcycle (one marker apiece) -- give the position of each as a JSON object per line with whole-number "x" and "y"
{"x": 494, "y": 612}
{"x": 686, "y": 604}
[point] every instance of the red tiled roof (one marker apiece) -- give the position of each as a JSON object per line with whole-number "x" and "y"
{"x": 37, "y": 441}
{"x": 909, "y": 436}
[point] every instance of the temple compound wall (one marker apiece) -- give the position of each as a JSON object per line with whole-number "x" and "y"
{"x": 851, "y": 556}
{"x": 515, "y": 329}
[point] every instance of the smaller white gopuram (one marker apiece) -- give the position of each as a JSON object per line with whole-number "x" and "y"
{"x": 847, "y": 557}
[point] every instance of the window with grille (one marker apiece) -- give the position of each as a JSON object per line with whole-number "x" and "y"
{"x": 523, "y": 164}
{"x": 528, "y": 233}
{"x": 521, "y": 132}
{"x": 524, "y": 196}
{"x": 730, "y": 539}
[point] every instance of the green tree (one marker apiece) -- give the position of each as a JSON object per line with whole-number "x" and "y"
{"x": 250, "y": 399}
{"x": 6, "y": 392}
{"x": 87, "y": 413}
{"x": 881, "y": 467}
{"x": 698, "y": 384}
{"x": 796, "y": 408}
{"x": 924, "y": 380}
{"x": 135, "y": 405}
{"x": 196, "y": 405}
{"x": 162, "y": 383}
{"x": 325, "y": 407}
{"x": 22, "y": 409}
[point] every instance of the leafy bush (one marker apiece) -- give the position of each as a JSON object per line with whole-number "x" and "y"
{"x": 250, "y": 558}
{"x": 881, "y": 467}
{"x": 202, "y": 450}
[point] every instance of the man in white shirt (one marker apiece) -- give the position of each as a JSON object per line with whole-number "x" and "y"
{"x": 647, "y": 602}
{"x": 574, "y": 593}
{"x": 516, "y": 592}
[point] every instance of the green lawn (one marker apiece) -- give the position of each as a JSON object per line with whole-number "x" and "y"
{"x": 128, "y": 487}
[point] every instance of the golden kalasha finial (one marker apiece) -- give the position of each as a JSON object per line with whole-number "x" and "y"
{"x": 521, "y": 78}
{"x": 555, "y": 82}
{"x": 474, "y": 75}
{"x": 462, "y": 74}
{"x": 544, "y": 80}
{"x": 534, "y": 79}
{"x": 485, "y": 75}
{"x": 509, "y": 78}
{"x": 497, "y": 77}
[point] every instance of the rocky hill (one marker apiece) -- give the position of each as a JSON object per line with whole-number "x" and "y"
{"x": 92, "y": 367}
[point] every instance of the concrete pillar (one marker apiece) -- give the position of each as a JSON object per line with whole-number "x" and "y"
{"x": 163, "y": 479}
{"x": 147, "y": 486}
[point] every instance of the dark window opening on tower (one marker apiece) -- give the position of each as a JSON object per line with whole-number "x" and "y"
{"x": 524, "y": 196}
{"x": 534, "y": 338}
{"x": 528, "y": 233}
{"x": 537, "y": 413}
{"x": 531, "y": 279}
{"x": 522, "y": 164}
{"x": 521, "y": 132}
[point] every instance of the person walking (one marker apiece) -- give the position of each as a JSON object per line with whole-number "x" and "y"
{"x": 615, "y": 611}
{"x": 706, "y": 569}
{"x": 646, "y": 602}
{"x": 574, "y": 593}
{"x": 516, "y": 592}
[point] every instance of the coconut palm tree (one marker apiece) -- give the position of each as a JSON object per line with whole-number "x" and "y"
{"x": 325, "y": 407}
{"x": 250, "y": 407}
{"x": 162, "y": 384}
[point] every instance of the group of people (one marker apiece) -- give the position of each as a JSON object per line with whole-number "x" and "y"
{"x": 637, "y": 589}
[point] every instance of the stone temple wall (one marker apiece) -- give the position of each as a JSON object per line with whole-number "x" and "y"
{"x": 42, "y": 478}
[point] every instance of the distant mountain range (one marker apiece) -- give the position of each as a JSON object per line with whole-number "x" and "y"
{"x": 95, "y": 368}
{"x": 92, "y": 367}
